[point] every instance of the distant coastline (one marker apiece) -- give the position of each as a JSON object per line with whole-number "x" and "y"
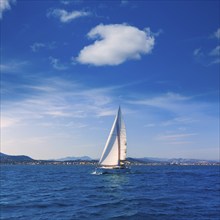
{"x": 26, "y": 160}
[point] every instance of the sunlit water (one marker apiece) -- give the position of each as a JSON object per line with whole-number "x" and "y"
{"x": 73, "y": 192}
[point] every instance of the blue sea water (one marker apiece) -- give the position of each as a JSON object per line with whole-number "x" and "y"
{"x": 73, "y": 192}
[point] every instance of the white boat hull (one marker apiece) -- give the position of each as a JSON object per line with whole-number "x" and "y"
{"x": 106, "y": 170}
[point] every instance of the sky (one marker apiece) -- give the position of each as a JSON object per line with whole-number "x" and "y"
{"x": 66, "y": 66}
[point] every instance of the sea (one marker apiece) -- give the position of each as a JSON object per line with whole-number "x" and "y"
{"x": 65, "y": 192}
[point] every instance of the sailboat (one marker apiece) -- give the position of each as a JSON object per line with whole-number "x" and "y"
{"x": 114, "y": 154}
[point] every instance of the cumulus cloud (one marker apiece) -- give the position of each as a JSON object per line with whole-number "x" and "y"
{"x": 65, "y": 16}
{"x": 5, "y": 5}
{"x": 116, "y": 43}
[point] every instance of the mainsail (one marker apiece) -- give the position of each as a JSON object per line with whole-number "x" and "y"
{"x": 114, "y": 152}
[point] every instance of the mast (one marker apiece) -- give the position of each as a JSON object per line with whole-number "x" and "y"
{"x": 119, "y": 135}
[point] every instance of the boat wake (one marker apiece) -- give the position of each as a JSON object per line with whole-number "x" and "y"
{"x": 96, "y": 173}
{"x": 111, "y": 172}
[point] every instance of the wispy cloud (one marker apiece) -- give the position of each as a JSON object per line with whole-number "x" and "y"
{"x": 206, "y": 58}
{"x": 36, "y": 46}
{"x": 124, "y": 2}
{"x": 216, "y": 61}
{"x": 56, "y": 64}
{"x": 65, "y": 2}
{"x": 51, "y": 116}
{"x": 177, "y": 138}
{"x": 5, "y": 5}
{"x": 68, "y": 2}
{"x": 198, "y": 52}
{"x": 217, "y": 34}
{"x": 65, "y": 16}
{"x": 169, "y": 101}
{"x": 13, "y": 66}
{"x": 68, "y": 107}
{"x": 115, "y": 44}
{"x": 56, "y": 98}
{"x": 176, "y": 111}
{"x": 8, "y": 122}
{"x": 183, "y": 120}
{"x": 150, "y": 125}
{"x": 215, "y": 51}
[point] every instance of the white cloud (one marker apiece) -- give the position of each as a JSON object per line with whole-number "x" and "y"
{"x": 204, "y": 57}
{"x": 13, "y": 66}
{"x": 36, "y": 46}
{"x": 176, "y": 137}
{"x": 68, "y": 2}
{"x": 198, "y": 52}
{"x": 8, "y": 122}
{"x": 65, "y": 16}
{"x": 215, "y": 51}
{"x": 56, "y": 64}
{"x": 169, "y": 101}
{"x": 179, "y": 121}
{"x": 150, "y": 125}
{"x": 124, "y": 2}
{"x": 65, "y": 2}
{"x": 57, "y": 98}
{"x": 57, "y": 110}
{"x": 115, "y": 44}
{"x": 217, "y": 33}
{"x": 158, "y": 33}
{"x": 176, "y": 111}
{"x": 5, "y": 5}
{"x": 54, "y": 107}
{"x": 216, "y": 61}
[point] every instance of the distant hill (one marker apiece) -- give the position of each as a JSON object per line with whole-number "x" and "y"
{"x": 84, "y": 158}
{"x": 146, "y": 160}
{"x": 4, "y": 158}
{"x": 150, "y": 160}
{"x": 20, "y": 158}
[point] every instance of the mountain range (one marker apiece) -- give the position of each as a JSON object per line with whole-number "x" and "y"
{"x": 4, "y": 158}
{"x": 74, "y": 158}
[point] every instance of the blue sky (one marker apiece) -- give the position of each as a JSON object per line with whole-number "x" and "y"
{"x": 66, "y": 66}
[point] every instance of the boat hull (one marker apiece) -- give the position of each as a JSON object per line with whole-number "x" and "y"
{"x": 104, "y": 170}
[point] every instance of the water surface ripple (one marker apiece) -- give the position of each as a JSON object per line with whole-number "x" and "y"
{"x": 72, "y": 192}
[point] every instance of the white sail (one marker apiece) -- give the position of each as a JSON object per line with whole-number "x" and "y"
{"x": 123, "y": 141}
{"x": 115, "y": 148}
